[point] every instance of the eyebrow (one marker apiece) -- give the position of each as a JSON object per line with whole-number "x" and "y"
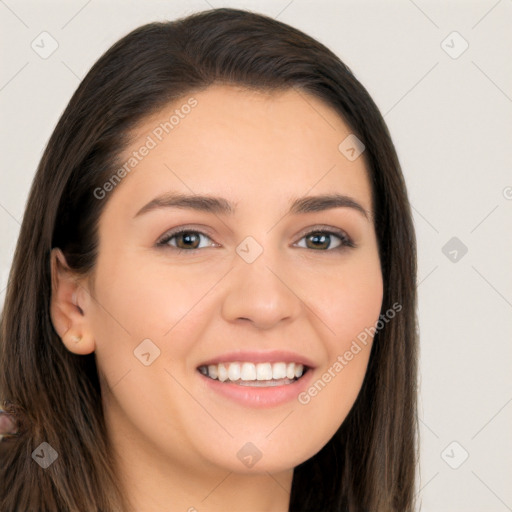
{"x": 221, "y": 206}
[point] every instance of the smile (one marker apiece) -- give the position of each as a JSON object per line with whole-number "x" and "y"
{"x": 255, "y": 385}
{"x": 251, "y": 374}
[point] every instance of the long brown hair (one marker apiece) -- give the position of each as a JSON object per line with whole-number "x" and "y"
{"x": 369, "y": 464}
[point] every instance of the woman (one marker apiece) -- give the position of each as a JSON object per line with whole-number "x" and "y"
{"x": 271, "y": 368}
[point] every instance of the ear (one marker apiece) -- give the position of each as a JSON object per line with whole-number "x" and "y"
{"x": 68, "y": 306}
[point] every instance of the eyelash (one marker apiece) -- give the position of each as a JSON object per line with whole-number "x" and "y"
{"x": 346, "y": 241}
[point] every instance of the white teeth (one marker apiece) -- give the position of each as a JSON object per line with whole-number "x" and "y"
{"x": 212, "y": 371}
{"x": 279, "y": 370}
{"x": 221, "y": 371}
{"x": 246, "y": 371}
{"x": 234, "y": 371}
{"x": 264, "y": 371}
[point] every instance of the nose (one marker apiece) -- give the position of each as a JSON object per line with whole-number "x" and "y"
{"x": 261, "y": 293}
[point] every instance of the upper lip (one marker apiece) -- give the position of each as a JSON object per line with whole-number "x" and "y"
{"x": 272, "y": 356}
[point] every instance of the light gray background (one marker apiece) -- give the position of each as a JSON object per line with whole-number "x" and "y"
{"x": 450, "y": 119}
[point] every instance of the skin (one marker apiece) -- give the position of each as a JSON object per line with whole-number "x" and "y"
{"x": 176, "y": 441}
{"x": 7, "y": 425}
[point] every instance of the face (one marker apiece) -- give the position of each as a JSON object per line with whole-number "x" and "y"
{"x": 274, "y": 289}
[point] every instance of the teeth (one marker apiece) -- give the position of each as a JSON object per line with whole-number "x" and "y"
{"x": 237, "y": 371}
{"x": 264, "y": 371}
{"x": 248, "y": 371}
{"x": 234, "y": 371}
{"x": 212, "y": 371}
{"x": 279, "y": 370}
{"x": 221, "y": 372}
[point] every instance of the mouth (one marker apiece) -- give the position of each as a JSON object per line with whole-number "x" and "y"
{"x": 256, "y": 379}
{"x": 265, "y": 374}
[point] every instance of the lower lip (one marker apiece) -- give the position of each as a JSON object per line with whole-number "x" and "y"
{"x": 262, "y": 397}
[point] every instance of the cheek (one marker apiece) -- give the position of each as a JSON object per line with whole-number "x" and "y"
{"x": 332, "y": 394}
{"x": 347, "y": 299}
{"x": 148, "y": 297}
{"x": 337, "y": 383}
{"x": 137, "y": 301}
{"x": 349, "y": 308}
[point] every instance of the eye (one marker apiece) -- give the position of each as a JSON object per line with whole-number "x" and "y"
{"x": 186, "y": 239}
{"x": 321, "y": 239}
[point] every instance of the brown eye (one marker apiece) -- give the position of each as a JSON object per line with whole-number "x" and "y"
{"x": 185, "y": 239}
{"x": 322, "y": 240}
{"x": 317, "y": 240}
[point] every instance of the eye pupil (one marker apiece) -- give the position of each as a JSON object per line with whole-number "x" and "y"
{"x": 188, "y": 236}
{"x": 316, "y": 236}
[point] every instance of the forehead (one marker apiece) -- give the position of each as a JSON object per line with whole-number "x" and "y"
{"x": 245, "y": 144}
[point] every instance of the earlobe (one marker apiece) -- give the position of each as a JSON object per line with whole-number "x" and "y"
{"x": 68, "y": 308}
